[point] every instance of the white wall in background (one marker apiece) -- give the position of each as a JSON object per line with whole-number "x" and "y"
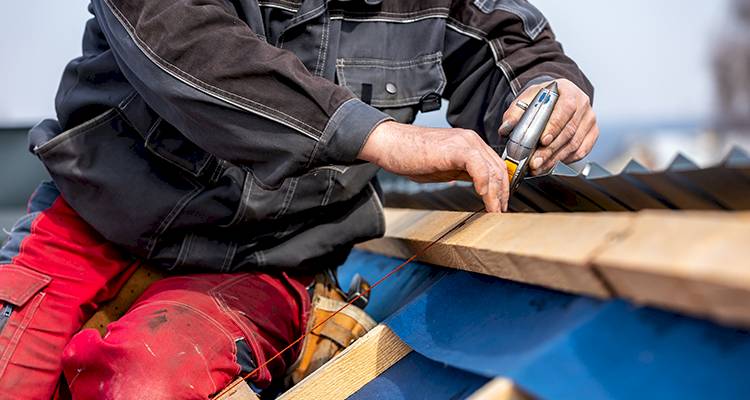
{"x": 37, "y": 39}
{"x": 648, "y": 59}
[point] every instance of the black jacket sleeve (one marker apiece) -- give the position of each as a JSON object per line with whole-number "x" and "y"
{"x": 207, "y": 73}
{"x": 493, "y": 50}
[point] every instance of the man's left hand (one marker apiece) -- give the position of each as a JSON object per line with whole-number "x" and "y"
{"x": 572, "y": 129}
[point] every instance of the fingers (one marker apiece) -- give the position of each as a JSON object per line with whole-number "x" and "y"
{"x": 487, "y": 171}
{"x": 576, "y": 148}
{"x": 592, "y": 135}
{"x": 501, "y": 170}
{"x": 560, "y": 130}
{"x": 571, "y": 131}
{"x": 514, "y": 112}
{"x": 479, "y": 171}
{"x": 569, "y": 136}
{"x": 498, "y": 173}
{"x": 510, "y": 120}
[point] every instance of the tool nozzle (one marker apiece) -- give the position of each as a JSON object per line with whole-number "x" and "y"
{"x": 552, "y": 87}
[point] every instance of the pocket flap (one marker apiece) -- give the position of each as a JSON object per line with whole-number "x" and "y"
{"x": 388, "y": 83}
{"x": 168, "y": 143}
{"x": 18, "y": 284}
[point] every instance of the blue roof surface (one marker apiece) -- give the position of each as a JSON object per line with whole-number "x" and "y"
{"x": 552, "y": 344}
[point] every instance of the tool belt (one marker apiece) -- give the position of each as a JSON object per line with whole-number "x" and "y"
{"x": 329, "y": 339}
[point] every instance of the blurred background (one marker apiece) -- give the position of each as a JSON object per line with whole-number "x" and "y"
{"x": 670, "y": 76}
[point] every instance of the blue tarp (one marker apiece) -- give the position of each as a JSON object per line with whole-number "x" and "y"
{"x": 417, "y": 377}
{"x": 557, "y": 345}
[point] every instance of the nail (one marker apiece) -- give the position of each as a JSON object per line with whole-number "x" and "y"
{"x": 536, "y": 163}
{"x": 547, "y": 140}
{"x": 504, "y": 128}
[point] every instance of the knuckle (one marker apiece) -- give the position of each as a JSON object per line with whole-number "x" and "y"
{"x": 570, "y": 105}
{"x": 482, "y": 173}
{"x": 462, "y": 140}
{"x": 470, "y": 137}
{"x": 553, "y": 126}
{"x": 575, "y": 142}
{"x": 569, "y": 133}
{"x": 476, "y": 156}
{"x": 511, "y": 114}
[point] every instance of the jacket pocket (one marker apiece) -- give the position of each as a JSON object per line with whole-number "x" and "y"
{"x": 21, "y": 294}
{"x": 167, "y": 143}
{"x": 388, "y": 83}
{"x": 104, "y": 171}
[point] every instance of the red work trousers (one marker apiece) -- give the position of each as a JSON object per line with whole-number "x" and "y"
{"x": 179, "y": 340}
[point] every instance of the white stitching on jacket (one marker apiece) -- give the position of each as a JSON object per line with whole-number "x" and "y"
{"x": 198, "y": 84}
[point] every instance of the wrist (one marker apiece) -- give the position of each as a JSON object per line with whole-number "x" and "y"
{"x": 376, "y": 142}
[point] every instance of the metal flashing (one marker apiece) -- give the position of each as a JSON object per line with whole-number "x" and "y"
{"x": 683, "y": 185}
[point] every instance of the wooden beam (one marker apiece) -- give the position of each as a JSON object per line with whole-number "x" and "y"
{"x": 349, "y": 371}
{"x": 500, "y": 389}
{"x": 551, "y": 250}
{"x": 237, "y": 390}
{"x": 697, "y": 263}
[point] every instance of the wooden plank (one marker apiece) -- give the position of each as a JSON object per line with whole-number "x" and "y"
{"x": 349, "y": 371}
{"x": 697, "y": 263}
{"x": 500, "y": 389}
{"x": 694, "y": 262}
{"x": 551, "y": 250}
{"x": 237, "y": 390}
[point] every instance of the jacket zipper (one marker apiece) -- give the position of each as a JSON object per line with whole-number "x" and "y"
{"x": 5, "y": 315}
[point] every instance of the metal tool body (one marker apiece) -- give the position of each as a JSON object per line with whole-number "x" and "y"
{"x": 525, "y": 136}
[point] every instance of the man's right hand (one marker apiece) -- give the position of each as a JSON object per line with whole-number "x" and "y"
{"x": 440, "y": 155}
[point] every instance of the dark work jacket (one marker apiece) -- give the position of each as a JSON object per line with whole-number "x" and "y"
{"x": 221, "y": 135}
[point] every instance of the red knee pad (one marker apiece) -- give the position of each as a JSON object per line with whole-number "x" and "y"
{"x": 157, "y": 351}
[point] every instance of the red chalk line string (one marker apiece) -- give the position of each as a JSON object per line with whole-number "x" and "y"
{"x": 350, "y": 302}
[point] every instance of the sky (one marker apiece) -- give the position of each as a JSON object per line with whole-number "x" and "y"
{"x": 649, "y": 60}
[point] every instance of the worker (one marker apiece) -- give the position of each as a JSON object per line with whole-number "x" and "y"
{"x": 234, "y": 144}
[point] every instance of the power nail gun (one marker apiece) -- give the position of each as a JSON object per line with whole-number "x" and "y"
{"x": 525, "y": 136}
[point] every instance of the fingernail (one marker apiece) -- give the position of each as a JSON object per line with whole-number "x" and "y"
{"x": 504, "y": 127}
{"x": 547, "y": 140}
{"x": 536, "y": 163}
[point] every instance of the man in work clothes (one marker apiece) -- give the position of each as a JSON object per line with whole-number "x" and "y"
{"x": 234, "y": 143}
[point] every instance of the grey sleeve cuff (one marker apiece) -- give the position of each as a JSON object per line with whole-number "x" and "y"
{"x": 537, "y": 80}
{"x": 347, "y": 131}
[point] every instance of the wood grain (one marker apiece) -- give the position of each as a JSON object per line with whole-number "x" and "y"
{"x": 237, "y": 390}
{"x": 693, "y": 262}
{"x": 551, "y": 250}
{"x": 696, "y": 263}
{"x": 349, "y": 371}
{"x": 500, "y": 389}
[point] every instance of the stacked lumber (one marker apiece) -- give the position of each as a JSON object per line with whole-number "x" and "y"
{"x": 695, "y": 263}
